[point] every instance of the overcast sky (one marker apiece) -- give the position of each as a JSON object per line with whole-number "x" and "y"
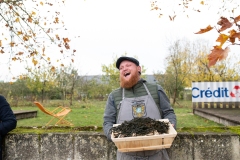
{"x": 109, "y": 28}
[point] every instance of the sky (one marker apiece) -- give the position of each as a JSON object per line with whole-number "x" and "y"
{"x": 110, "y": 28}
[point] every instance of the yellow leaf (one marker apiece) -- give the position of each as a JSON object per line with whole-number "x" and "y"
{"x": 14, "y": 58}
{"x": 19, "y": 32}
{"x": 17, "y": 19}
{"x": 0, "y": 43}
{"x": 35, "y": 62}
{"x": 62, "y": 65}
{"x": 41, "y": 3}
{"x": 48, "y": 59}
{"x": 202, "y": 2}
{"x": 12, "y": 44}
{"x": 222, "y": 39}
{"x": 25, "y": 38}
{"x": 33, "y": 13}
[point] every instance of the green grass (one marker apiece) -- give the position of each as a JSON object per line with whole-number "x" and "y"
{"x": 91, "y": 114}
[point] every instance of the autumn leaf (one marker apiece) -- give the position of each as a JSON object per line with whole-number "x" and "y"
{"x": 19, "y": 32}
{"x": 224, "y": 23}
{"x": 66, "y": 40}
{"x": 237, "y": 19}
{"x": 1, "y": 51}
{"x": 56, "y": 20}
{"x": 14, "y": 58}
{"x": 41, "y": 3}
{"x": 33, "y": 13}
{"x": 0, "y": 43}
{"x": 53, "y": 69}
{"x": 222, "y": 39}
{"x": 233, "y": 35}
{"x": 29, "y": 19}
{"x": 57, "y": 37}
{"x": 17, "y": 19}
{"x": 208, "y": 28}
{"x": 202, "y": 2}
{"x": 20, "y": 53}
{"x": 12, "y": 44}
{"x": 48, "y": 59}
{"x": 217, "y": 54}
{"x": 25, "y": 38}
{"x": 62, "y": 65}
{"x": 172, "y": 18}
{"x": 35, "y": 62}
{"x": 72, "y": 60}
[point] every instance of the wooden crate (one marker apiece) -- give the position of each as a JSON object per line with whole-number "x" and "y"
{"x": 141, "y": 143}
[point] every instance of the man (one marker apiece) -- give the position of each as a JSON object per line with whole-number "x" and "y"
{"x": 7, "y": 120}
{"x": 136, "y": 97}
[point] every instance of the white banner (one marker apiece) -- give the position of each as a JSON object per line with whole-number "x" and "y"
{"x": 215, "y": 91}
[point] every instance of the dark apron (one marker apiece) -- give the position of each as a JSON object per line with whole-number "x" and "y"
{"x": 143, "y": 106}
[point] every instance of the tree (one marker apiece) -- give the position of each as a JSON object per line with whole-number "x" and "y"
{"x": 179, "y": 64}
{"x": 41, "y": 80}
{"x": 30, "y": 28}
{"x": 228, "y": 28}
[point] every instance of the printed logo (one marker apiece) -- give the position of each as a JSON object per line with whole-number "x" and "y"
{"x": 235, "y": 92}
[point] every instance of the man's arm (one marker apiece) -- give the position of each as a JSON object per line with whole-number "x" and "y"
{"x": 167, "y": 110}
{"x": 7, "y": 117}
{"x": 109, "y": 117}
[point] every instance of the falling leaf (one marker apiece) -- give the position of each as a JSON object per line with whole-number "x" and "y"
{"x": 72, "y": 60}
{"x": 19, "y": 32}
{"x": 205, "y": 30}
{"x": 57, "y": 37}
{"x": 222, "y": 39}
{"x": 233, "y": 35}
{"x": 224, "y": 23}
{"x": 48, "y": 59}
{"x": 56, "y": 20}
{"x": 202, "y": 2}
{"x": 53, "y": 69}
{"x": 66, "y": 40}
{"x": 29, "y": 19}
{"x": 33, "y": 13}
{"x": 1, "y": 51}
{"x": 41, "y": 3}
{"x": 20, "y": 53}
{"x": 62, "y": 65}
{"x": 217, "y": 54}
{"x": 35, "y": 62}
{"x": 25, "y": 38}
{"x": 17, "y": 19}
{"x": 172, "y": 18}
{"x": 0, "y": 43}
{"x": 12, "y": 44}
{"x": 236, "y": 19}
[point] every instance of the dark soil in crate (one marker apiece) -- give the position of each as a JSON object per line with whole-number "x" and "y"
{"x": 140, "y": 127}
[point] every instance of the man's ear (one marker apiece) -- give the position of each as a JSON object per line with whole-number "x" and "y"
{"x": 139, "y": 69}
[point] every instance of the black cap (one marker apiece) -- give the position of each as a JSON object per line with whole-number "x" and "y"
{"x": 120, "y": 59}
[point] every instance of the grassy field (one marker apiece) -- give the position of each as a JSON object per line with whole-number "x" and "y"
{"x": 91, "y": 114}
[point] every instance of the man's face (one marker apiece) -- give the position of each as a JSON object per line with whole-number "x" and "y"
{"x": 129, "y": 74}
